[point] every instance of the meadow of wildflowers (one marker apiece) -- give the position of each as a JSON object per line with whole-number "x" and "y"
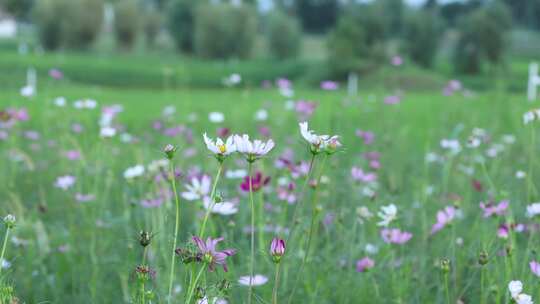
{"x": 267, "y": 195}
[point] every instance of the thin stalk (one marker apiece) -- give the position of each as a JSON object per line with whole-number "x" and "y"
{"x": 176, "y": 227}
{"x": 252, "y": 261}
{"x": 311, "y": 228}
{"x": 194, "y": 285}
{"x": 4, "y": 246}
{"x": 276, "y": 284}
{"x": 447, "y": 293}
{"x": 212, "y": 201}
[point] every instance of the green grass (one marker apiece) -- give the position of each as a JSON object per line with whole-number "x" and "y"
{"x": 102, "y": 235}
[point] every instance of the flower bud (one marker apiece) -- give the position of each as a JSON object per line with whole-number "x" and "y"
{"x": 144, "y": 238}
{"x": 445, "y": 265}
{"x": 9, "y": 221}
{"x": 483, "y": 258}
{"x": 169, "y": 151}
{"x": 277, "y": 249}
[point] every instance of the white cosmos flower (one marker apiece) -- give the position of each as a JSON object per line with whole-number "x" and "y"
{"x": 261, "y": 115}
{"x": 531, "y": 116}
{"x": 28, "y": 91}
{"x": 216, "y": 117}
{"x": 85, "y": 104}
{"x": 198, "y": 188}
{"x": 515, "y": 288}
{"x": 219, "y": 147}
{"x": 133, "y": 172}
{"x": 318, "y": 142}
{"x": 520, "y": 174}
{"x": 60, "y": 101}
{"x": 257, "y": 280}
{"x": 65, "y": 182}
{"x": 107, "y": 132}
{"x": 387, "y": 215}
{"x": 533, "y": 209}
{"x": 223, "y": 208}
{"x": 236, "y": 174}
{"x": 524, "y": 299}
{"x": 252, "y": 150}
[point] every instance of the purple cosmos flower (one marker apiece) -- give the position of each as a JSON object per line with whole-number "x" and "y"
{"x": 392, "y": 99}
{"x": 72, "y": 154}
{"x": 364, "y": 264}
{"x": 56, "y": 74}
{"x": 361, "y": 176}
{"x": 305, "y": 108}
{"x": 277, "y": 249}
{"x": 286, "y": 193}
{"x": 396, "y": 60}
{"x": 491, "y": 209}
{"x": 535, "y": 268}
{"x": 65, "y": 182}
{"x": 210, "y": 255}
{"x": 395, "y": 236}
{"x": 329, "y": 85}
{"x": 367, "y": 136}
{"x": 257, "y": 182}
{"x": 444, "y": 217}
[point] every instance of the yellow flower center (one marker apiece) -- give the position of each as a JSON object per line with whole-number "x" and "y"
{"x": 222, "y": 148}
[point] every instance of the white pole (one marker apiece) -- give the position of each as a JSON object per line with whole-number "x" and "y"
{"x": 534, "y": 81}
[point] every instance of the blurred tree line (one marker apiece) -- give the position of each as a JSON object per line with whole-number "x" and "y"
{"x": 360, "y": 36}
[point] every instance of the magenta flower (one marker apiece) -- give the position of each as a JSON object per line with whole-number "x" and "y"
{"x": 396, "y": 60}
{"x": 257, "y": 182}
{"x": 305, "y": 108}
{"x": 283, "y": 83}
{"x": 361, "y": 176}
{"x": 491, "y": 209}
{"x": 286, "y": 193}
{"x": 444, "y": 217}
{"x": 535, "y": 268}
{"x": 364, "y": 264}
{"x": 395, "y": 236}
{"x": 72, "y": 154}
{"x": 329, "y": 85}
{"x": 210, "y": 255}
{"x": 56, "y": 74}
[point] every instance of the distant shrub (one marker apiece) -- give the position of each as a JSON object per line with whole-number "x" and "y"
{"x": 357, "y": 42}
{"x": 153, "y": 22}
{"x": 82, "y": 22}
{"x": 284, "y": 35}
{"x": 317, "y": 16}
{"x": 20, "y": 9}
{"x": 225, "y": 31}
{"x": 181, "y": 23}
{"x": 421, "y": 37}
{"x": 482, "y": 38}
{"x": 126, "y": 22}
{"x": 47, "y": 15}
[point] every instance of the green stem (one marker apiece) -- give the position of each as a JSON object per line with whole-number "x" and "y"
{"x": 446, "y": 288}
{"x": 311, "y": 228}
{"x": 276, "y": 284}
{"x": 176, "y": 227}
{"x": 212, "y": 201}
{"x": 194, "y": 285}
{"x": 252, "y": 262}
{"x": 4, "y": 246}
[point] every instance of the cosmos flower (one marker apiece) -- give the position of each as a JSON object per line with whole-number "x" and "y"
{"x": 364, "y": 264}
{"x": 304, "y": 108}
{"x": 392, "y": 99}
{"x": 535, "y": 268}
{"x": 318, "y": 143}
{"x": 85, "y": 104}
{"x": 218, "y": 147}
{"x": 261, "y": 115}
{"x": 133, "y": 172}
{"x": 533, "y": 209}
{"x": 361, "y": 176}
{"x": 210, "y": 255}
{"x": 257, "y": 182}
{"x": 28, "y": 91}
{"x": 107, "y": 132}
{"x": 396, "y": 60}
{"x": 198, "y": 188}
{"x": 252, "y": 150}
{"x": 232, "y": 80}
{"x": 444, "y": 217}
{"x": 65, "y": 182}
{"x": 367, "y": 136}
{"x": 56, "y": 74}
{"x": 491, "y": 209}
{"x": 387, "y": 215}
{"x": 515, "y": 288}
{"x": 531, "y": 116}
{"x": 329, "y": 85}
{"x": 256, "y": 280}
{"x": 395, "y": 236}
{"x": 216, "y": 117}
{"x": 277, "y": 249}
{"x": 223, "y": 208}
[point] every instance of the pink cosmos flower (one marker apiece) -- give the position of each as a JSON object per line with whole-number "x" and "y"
{"x": 535, "y": 268}
{"x": 491, "y": 209}
{"x": 392, "y": 99}
{"x": 84, "y": 198}
{"x": 396, "y": 60}
{"x": 56, "y": 74}
{"x": 65, "y": 182}
{"x": 361, "y": 176}
{"x": 257, "y": 182}
{"x": 444, "y": 217}
{"x": 209, "y": 254}
{"x": 286, "y": 193}
{"x": 305, "y": 108}
{"x": 329, "y": 85}
{"x": 395, "y": 236}
{"x": 364, "y": 264}
{"x": 367, "y": 136}
{"x": 72, "y": 154}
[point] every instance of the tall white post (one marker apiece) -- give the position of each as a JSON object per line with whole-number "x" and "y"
{"x": 534, "y": 81}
